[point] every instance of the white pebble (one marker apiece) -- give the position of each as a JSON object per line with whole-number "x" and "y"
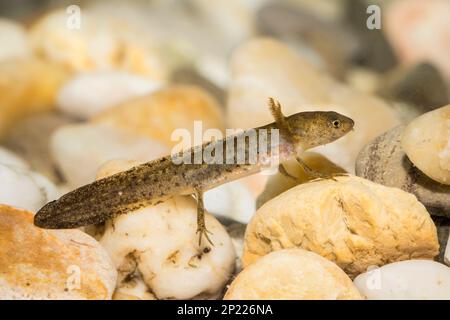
{"x": 233, "y": 200}
{"x": 87, "y": 94}
{"x": 410, "y": 279}
{"x": 25, "y": 189}
{"x": 160, "y": 242}
{"x": 13, "y": 40}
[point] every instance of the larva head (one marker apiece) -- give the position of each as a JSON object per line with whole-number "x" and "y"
{"x": 311, "y": 129}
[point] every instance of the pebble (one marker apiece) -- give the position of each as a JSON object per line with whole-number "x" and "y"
{"x": 292, "y": 274}
{"x": 426, "y": 141}
{"x": 159, "y": 114}
{"x": 10, "y": 159}
{"x": 383, "y": 161}
{"x": 14, "y": 40}
{"x": 160, "y": 243}
{"x": 24, "y": 91}
{"x": 233, "y": 199}
{"x": 111, "y": 88}
{"x": 406, "y": 280}
{"x": 418, "y": 31}
{"x": 263, "y": 68}
{"x": 30, "y": 138}
{"x": 103, "y": 42}
{"x": 38, "y": 264}
{"x": 352, "y": 221}
{"x": 80, "y": 149}
{"x": 25, "y": 189}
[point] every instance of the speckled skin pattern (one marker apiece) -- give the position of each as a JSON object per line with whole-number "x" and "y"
{"x": 158, "y": 180}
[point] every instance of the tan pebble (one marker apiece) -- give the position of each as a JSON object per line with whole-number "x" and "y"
{"x": 292, "y": 274}
{"x": 353, "y": 222}
{"x": 103, "y": 42}
{"x": 159, "y": 114}
{"x": 50, "y": 264}
{"x": 25, "y": 91}
{"x": 426, "y": 141}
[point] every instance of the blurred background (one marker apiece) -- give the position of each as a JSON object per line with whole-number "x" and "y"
{"x": 86, "y": 82}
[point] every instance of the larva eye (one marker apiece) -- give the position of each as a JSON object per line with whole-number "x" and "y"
{"x": 336, "y": 123}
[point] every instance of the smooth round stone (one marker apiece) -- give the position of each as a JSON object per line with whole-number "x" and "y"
{"x": 351, "y": 221}
{"x": 426, "y": 141}
{"x": 40, "y": 264}
{"x": 79, "y": 150}
{"x": 14, "y": 40}
{"x": 410, "y": 280}
{"x": 234, "y": 200}
{"x": 111, "y": 88}
{"x": 24, "y": 90}
{"x": 383, "y": 161}
{"x": 167, "y": 114}
{"x": 103, "y": 42}
{"x": 25, "y": 189}
{"x": 292, "y": 274}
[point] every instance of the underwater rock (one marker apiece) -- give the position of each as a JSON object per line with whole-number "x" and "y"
{"x": 50, "y": 264}
{"x": 159, "y": 114}
{"x": 25, "y": 189}
{"x": 383, "y": 161}
{"x": 104, "y": 42}
{"x": 351, "y": 221}
{"x": 426, "y": 141}
{"x": 292, "y": 274}
{"x": 111, "y": 88}
{"x": 406, "y": 280}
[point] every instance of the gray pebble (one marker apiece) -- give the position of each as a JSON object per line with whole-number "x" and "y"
{"x": 383, "y": 161}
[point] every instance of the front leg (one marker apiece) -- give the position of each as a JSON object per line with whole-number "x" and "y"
{"x": 316, "y": 174}
{"x": 283, "y": 171}
{"x": 201, "y": 225}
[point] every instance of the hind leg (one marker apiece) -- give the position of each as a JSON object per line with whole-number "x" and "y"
{"x": 201, "y": 226}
